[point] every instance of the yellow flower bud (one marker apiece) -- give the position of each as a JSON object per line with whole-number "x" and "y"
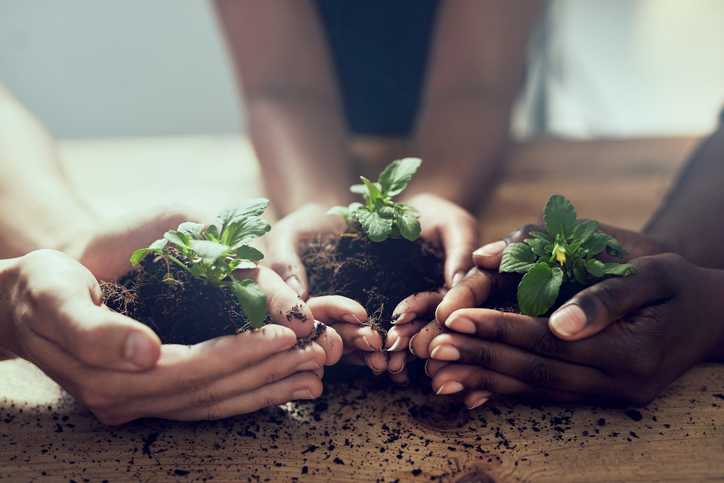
{"x": 560, "y": 253}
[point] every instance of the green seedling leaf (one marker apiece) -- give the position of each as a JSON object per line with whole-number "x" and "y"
{"x": 210, "y": 252}
{"x": 156, "y": 247}
{"x": 241, "y": 264}
{"x": 395, "y": 177}
{"x": 595, "y": 268}
{"x": 580, "y": 276}
{"x": 621, "y": 269}
{"x": 376, "y": 227}
{"x": 342, "y": 211}
{"x": 543, "y": 237}
{"x": 615, "y": 249}
{"x": 191, "y": 230}
{"x": 373, "y": 192}
{"x": 252, "y": 300}
{"x": 409, "y": 226}
{"x": 181, "y": 240}
{"x": 241, "y": 209}
{"x": 517, "y": 258}
{"x": 249, "y": 253}
{"x": 242, "y": 231}
{"x": 596, "y": 244}
{"x": 538, "y": 290}
{"x": 537, "y": 246}
{"x": 585, "y": 231}
{"x": 405, "y": 207}
{"x": 559, "y": 217}
{"x": 212, "y": 233}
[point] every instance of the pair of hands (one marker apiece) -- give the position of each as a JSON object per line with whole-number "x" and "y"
{"x": 118, "y": 368}
{"x": 619, "y": 342}
{"x": 444, "y": 224}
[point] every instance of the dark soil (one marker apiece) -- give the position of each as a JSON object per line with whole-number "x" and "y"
{"x": 183, "y": 310}
{"x": 378, "y": 275}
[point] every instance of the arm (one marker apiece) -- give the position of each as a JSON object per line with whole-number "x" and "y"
{"x": 37, "y": 207}
{"x": 292, "y": 101}
{"x": 475, "y": 71}
{"x": 689, "y": 220}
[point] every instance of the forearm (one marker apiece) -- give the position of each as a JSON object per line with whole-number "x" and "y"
{"x": 463, "y": 141}
{"x": 689, "y": 220}
{"x": 302, "y": 151}
{"x": 475, "y": 72}
{"x": 37, "y": 207}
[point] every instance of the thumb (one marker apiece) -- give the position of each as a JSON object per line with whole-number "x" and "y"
{"x": 284, "y": 260}
{"x": 596, "y": 307}
{"x": 102, "y": 338}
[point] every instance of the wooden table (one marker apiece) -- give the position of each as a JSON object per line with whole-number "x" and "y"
{"x": 364, "y": 428}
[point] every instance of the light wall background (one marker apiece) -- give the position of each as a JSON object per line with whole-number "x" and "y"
{"x": 113, "y": 68}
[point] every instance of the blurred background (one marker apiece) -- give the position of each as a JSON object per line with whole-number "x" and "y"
{"x": 598, "y": 68}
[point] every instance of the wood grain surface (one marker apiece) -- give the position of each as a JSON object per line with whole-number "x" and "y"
{"x": 364, "y": 428}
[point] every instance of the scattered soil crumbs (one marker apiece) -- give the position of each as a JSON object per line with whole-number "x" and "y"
{"x": 377, "y": 275}
{"x": 178, "y": 307}
{"x": 363, "y": 428}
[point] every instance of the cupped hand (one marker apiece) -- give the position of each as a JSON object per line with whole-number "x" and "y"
{"x": 118, "y": 368}
{"x": 282, "y": 243}
{"x": 658, "y": 323}
{"x": 451, "y": 228}
{"x": 107, "y": 248}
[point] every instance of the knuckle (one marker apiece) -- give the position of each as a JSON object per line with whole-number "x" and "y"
{"x": 210, "y": 396}
{"x": 540, "y": 375}
{"x": 191, "y": 381}
{"x": 548, "y": 345}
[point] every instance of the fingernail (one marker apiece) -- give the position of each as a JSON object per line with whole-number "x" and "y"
{"x": 351, "y": 318}
{"x": 295, "y": 284}
{"x": 302, "y": 394}
{"x": 479, "y": 402}
{"x": 376, "y": 372}
{"x": 409, "y": 346}
{"x": 368, "y": 344}
{"x": 450, "y": 387}
{"x": 491, "y": 249}
{"x": 457, "y": 277}
{"x": 398, "y": 343}
{"x": 404, "y": 318}
{"x": 138, "y": 350}
{"x": 461, "y": 325}
{"x": 309, "y": 365}
{"x": 445, "y": 353}
{"x": 400, "y": 369}
{"x": 426, "y": 371}
{"x": 568, "y": 320}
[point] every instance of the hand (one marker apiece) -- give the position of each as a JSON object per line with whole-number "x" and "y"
{"x": 647, "y": 342}
{"x": 118, "y": 368}
{"x": 106, "y": 250}
{"x": 282, "y": 243}
{"x": 451, "y": 228}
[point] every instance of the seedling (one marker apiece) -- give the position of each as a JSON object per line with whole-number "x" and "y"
{"x": 563, "y": 255}
{"x": 214, "y": 253}
{"x": 380, "y": 217}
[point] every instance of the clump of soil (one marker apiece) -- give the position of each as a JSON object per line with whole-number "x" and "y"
{"x": 180, "y": 308}
{"x": 378, "y": 275}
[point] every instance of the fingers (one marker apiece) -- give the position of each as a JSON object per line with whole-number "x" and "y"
{"x": 283, "y": 243}
{"x": 398, "y": 338}
{"x": 284, "y": 305}
{"x": 332, "y": 344}
{"x": 593, "y": 309}
{"x": 420, "y": 305}
{"x": 58, "y": 299}
{"x": 335, "y": 308}
{"x": 420, "y": 342}
{"x": 477, "y": 286}
{"x": 450, "y": 226}
{"x": 490, "y": 255}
